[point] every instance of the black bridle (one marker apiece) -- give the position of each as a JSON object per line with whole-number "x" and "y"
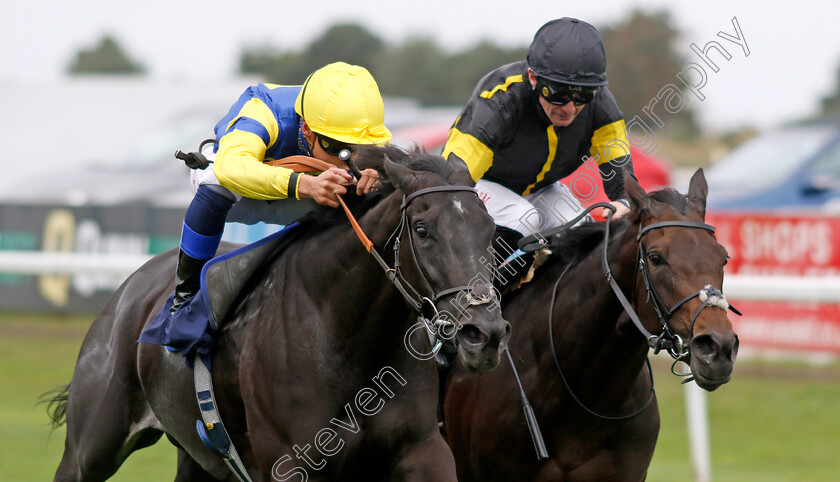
{"x": 667, "y": 339}
{"x": 423, "y": 305}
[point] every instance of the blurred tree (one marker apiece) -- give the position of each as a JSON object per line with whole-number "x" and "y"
{"x": 107, "y": 57}
{"x": 465, "y": 69}
{"x": 641, "y": 60}
{"x": 343, "y": 42}
{"x": 274, "y": 65}
{"x": 830, "y": 104}
{"x": 413, "y": 69}
{"x": 416, "y": 68}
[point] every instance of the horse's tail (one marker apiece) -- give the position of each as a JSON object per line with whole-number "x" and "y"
{"x": 56, "y": 400}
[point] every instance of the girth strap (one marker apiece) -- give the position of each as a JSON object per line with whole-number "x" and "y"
{"x": 212, "y": 431}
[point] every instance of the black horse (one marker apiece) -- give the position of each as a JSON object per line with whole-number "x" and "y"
{"x": 582, "y": 358}
{"x": 312, "y": 372}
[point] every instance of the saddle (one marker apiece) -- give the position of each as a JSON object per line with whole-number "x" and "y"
{"x": 191, "y": 329}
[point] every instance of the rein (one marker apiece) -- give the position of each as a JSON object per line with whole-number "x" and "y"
{"x": 563, "y": 377}
{"x": 418, "y": 302}
{"x": 667, "y": 339}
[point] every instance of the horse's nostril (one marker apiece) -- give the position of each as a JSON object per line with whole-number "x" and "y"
{"x": 734, "y": 353}
{"x": 473, "y": 335}
{"x": 704, "y": 346}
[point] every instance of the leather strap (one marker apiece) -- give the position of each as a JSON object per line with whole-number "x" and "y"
{"x": 368, "y": 244}
{"x": 305, "y": 164}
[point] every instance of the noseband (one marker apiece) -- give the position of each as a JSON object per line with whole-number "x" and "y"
{"x": 667, "y": 339}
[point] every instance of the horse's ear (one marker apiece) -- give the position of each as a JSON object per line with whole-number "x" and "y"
{"x": 399, "y": 175}
{"x": 637, "y": 195}
{"x": 461, "y": 176}
{"x": 698, "y": 189}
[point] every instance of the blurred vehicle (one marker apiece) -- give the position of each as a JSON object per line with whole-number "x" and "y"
{"x": 651, "y": 172}
{"x": 793, "y": 168}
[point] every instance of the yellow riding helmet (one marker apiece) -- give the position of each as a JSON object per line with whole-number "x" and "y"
{"x": 342, "y": 102}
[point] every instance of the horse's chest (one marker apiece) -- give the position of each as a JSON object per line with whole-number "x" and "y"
{"x": 598, "y": 452}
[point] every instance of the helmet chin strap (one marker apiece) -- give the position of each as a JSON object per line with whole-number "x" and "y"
{"x": 303, "y": 144}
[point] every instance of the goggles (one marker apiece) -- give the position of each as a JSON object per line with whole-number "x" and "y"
{"x": 331, "y": 146}
{"x": 562, "y": 94}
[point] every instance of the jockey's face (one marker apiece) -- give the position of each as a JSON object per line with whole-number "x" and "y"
{"x": 317, "y": 151}
{"x": 559, "y": 115}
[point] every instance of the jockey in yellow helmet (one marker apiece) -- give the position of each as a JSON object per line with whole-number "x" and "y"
{"x": 337, "y": 107}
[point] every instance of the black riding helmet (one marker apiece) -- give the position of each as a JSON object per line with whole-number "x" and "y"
{"x": 568, "y": 51}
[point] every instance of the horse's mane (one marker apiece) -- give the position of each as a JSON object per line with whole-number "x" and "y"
{"x": 416, "y": 159}
{"x": 322, "y": 217}
{"x": 575, "y": 244}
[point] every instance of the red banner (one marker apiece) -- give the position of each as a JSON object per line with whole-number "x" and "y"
{"x": 791, "y": 244}
{"x": 774, "y": 244}
{"x": 805, "y": 327}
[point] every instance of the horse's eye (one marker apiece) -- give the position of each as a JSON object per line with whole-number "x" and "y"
{"x": 421, "y": 231}
{"x": 725, "y": 260}
{"x": 655, "y": 258}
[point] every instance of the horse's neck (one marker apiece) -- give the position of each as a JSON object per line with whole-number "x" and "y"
{"x": 352, "y": 285}
{"x": 586, "y": 315}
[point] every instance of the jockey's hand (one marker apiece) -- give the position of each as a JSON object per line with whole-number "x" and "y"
{"x": 369, "y": 180}
{"x": 324, "y": 187}
{"x": 620, "y": 210}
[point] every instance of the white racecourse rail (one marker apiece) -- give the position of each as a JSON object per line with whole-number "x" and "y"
{"x": 739, "y": 287}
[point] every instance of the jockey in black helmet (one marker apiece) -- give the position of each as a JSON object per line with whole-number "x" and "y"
{"x": 531, "y": 123}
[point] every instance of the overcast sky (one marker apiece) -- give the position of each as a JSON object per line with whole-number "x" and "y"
{"x": 794, "y": 51}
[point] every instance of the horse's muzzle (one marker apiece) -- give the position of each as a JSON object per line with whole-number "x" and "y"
{"x": 481, "y": 339}
{"x": 712, "y": 358}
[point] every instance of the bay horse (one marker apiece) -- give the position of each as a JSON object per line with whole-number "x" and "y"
{"x": 582, "y": 359}
{"x": 312, "y": 374}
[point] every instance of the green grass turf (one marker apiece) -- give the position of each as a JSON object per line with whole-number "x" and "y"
{"x": 36, "y": 354}
{"x": 772, "y": 422}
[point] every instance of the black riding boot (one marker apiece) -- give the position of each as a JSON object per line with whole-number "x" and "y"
{"x": 504, "y": 244}
{"x": 187, "y": 279}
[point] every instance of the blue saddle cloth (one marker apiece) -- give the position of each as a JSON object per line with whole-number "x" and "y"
{"x": 191, "y": 329}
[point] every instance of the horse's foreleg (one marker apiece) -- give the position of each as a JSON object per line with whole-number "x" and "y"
{"x": 191, "y": 471}
{"x": 429, "y": 460}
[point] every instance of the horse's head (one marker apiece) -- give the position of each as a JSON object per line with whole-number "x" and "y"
{"x": 443, "y": 249}
{"x": 681, "y": 273}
